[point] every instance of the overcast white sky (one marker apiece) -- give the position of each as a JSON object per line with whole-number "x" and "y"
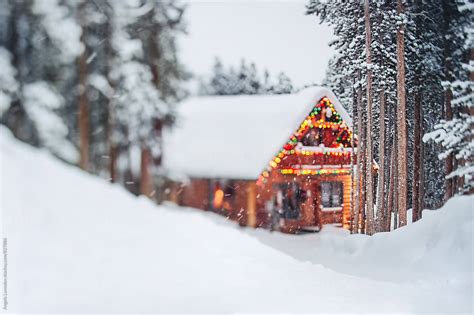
{"x": 274, "y": 34}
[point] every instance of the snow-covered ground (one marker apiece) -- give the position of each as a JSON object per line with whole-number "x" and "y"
{"x": 78, "y": 244}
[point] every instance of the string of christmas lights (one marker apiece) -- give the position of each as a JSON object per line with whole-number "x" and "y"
{"x": 312, "y": 121}
{"x": 323, "y": 116}
{"x": 296, "y": 171}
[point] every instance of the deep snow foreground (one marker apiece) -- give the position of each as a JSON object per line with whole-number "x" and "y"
{"x": 79, "y": 244}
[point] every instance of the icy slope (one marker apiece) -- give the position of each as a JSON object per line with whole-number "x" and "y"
{"x": 79, "y": 244}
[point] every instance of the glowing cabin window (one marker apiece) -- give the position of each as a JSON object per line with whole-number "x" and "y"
{"x": 218, "y": 198}
{"x": 222, "y": 195}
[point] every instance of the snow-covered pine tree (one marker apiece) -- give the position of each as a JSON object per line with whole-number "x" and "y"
{"x": 158, "y": 31}
{"x": 455, "y": 132}
{"x": 8, "y": 83}
{"x": 137, "y": 101}
{"x": 43, "y": 37}
{"x": 219, "y": 82}
{"x": 283, "y": 85}
{"x": 93, "y": 17}
{"x": 255, "y": 85}
{"x": 248, "y": 82}
{"x": 267, "y": 85}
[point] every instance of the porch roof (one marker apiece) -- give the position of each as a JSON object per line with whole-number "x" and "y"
{"x": 236, "y": 136}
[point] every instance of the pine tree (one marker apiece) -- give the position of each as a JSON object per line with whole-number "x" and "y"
{"x": 283, "y": 85}
{"x": 39, "y": 115}
{"x": 8, "y": 83}
{"x": 455, "y": 132}
{"x": 137, "y": 101}
{"x": 219, "y": 82}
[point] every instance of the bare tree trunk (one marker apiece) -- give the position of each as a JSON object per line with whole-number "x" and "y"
{"x": 354, "y": 177}
{"x": 360, "y": 151}
{"x": 381, "y": 210}
{"x": 146, "y": 180}
{"x": 395, "y": 171}
{"x": 401, "y": 121}
{"x": 395, "y": 186}
{"x": 391, "y": 191}
{"x": 112, "y": 162}
{"x": 421, "y": 198}
{"x": 363, "y": 197}
{"x": 416, "y": 214}
{"x": 83, "y": 111}
{"x": 417, "y": 125}
{"x": 449, "y": 162}
{"x": 370, "y": 174}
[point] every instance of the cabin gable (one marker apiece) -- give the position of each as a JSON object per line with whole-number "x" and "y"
{"x": 322, "y": 139}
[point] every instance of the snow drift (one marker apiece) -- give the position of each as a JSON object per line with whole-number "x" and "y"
{"x": 78, "y": 244}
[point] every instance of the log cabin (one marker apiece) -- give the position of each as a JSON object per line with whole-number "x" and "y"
{"x": 281, "y": 162}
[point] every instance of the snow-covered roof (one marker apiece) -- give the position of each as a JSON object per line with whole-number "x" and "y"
{"x": 235, "y": 136}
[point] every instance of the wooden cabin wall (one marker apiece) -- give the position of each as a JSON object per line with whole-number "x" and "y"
{"x": 239, "y": 212}
{"x": 310, "y": 213}
{"x": 195, "y": 194}
{"x": 250, "y": 199}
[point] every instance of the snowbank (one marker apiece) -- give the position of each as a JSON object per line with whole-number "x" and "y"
{"x": 78, "y": 244}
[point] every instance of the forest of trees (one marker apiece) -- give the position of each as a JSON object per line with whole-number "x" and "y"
{"x": 404, "y": 69}
{"x": 94, "y": 82}
{"x": 246, "y": 80}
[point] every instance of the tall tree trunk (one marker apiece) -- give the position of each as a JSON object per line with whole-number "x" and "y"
{"x": 417, "y": 125}
{"x": 401, "y": 121}
{"x": 83, "y": 112}
{"x": 146, "y": 180}
{"x": 110, "y": 123}
{"x": 391, "y": 190}
{"x": 363, "y": 197}
{"x": 354, "y": 176}
{"x": 113, "y": 162}
{"x": 381, "y": 210}
{"x": 363, "y": 172}
{"x": 421, "y": 198}
{"x": 416, "y": 214}
{"x": 449, "y": 162}
{"x": 395, "y": 169}
{"x": 370, "y": 174}
{"x": 360, "y": 151}
{"x": 147, "y": 186}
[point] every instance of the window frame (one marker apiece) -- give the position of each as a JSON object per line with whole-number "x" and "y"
{"x": 332, "y": 206}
